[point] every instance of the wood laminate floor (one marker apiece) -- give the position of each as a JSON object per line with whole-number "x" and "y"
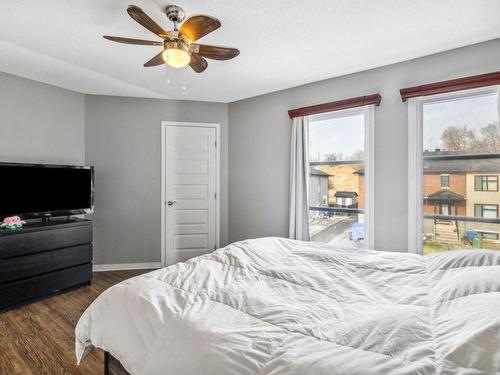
{"x": 40, "y": 338}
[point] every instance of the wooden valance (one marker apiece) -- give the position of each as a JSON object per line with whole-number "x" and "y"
{"x": 465, "y": 83}
{"x": 335, "y": 106}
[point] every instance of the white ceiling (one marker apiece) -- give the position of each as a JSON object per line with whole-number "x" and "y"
{"x": 283, "y": 43}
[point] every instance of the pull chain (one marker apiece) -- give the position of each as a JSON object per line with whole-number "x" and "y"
{"x": 168, "y": 72}
{"x": 184, "y": 75}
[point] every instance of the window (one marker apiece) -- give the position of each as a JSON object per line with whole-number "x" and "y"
{"x": 486, "y": 211}
{"x": 444, "y": 209}
{"x": 486, "y": 183}
{"x": 445, "y": 181}
{"x": 456, "y": 137}
{"x": 339, "y": 150}
{"x": 489, "y": 235}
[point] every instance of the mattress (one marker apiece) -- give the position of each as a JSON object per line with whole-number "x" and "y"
{"x": 278, "y": 306}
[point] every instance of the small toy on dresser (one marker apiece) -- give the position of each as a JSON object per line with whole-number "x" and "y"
{"x": 12, "y": 222}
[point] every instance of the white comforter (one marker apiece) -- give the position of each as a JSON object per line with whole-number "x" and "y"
{"x": 276, "y": 306}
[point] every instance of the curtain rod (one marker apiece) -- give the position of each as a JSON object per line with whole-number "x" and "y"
{"x": 335, "y": 106}
{"x": 442, "y": 87}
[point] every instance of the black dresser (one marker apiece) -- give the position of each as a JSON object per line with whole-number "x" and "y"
{"x": 44, "y": 258}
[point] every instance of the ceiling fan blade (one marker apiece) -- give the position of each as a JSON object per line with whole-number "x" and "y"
{"x": 138, "y": 15}
{"x": 196, "y": 27}
{"x": 157, "y": 60}
{"x": 214, "y": 52}
{"x": 198, "y": 63}
{"x": 139, "y": 42}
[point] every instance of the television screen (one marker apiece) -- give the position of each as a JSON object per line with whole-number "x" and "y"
{"x": 41, "y": 190}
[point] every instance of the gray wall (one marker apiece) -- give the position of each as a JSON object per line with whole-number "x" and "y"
{"x": 40, "y": 123}
{"x": 123, "y": 142}
{"x": 259, "y": 134}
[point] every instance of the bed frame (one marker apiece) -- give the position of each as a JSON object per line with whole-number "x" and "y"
{"x": 112, "y": 366}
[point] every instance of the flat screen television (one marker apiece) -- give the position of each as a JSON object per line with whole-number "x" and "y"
{"x": 45, "y": 190}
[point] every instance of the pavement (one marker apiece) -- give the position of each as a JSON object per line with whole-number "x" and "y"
{"x": 333, "y": 230}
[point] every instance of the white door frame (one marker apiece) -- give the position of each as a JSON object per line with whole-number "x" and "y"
{"x": 164, "y": 125}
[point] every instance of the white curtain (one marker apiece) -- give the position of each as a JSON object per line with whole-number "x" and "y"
{"x": 299, "y": 180}
{"x": 498, "y": 104}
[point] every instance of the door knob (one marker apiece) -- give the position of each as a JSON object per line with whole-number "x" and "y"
{"x": 170, "y": 203}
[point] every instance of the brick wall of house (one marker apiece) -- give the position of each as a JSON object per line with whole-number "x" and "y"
{"x": 432, "y": 184}
{"x": 457, "y": 184}
{"x": 361, "y": 197}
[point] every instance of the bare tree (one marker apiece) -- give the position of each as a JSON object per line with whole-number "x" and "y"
{"x": 459, "y": 139}
{"x": 331, "y": 157}
{"x": 464, "y": 139}
{"x": 490, "y": 138}
{"x": 358, "y": 155}
{"x": 339, "y": 156}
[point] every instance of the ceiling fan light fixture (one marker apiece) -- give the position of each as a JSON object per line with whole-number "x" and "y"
{"x": 179, "y": 45}
{"x": 176, "y": 55}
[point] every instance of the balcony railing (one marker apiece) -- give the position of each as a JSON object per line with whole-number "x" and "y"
{"x": 463, "y": 218}
{"x": 462, "y": 156}
{"x": 336, "y": 162}
{"x": 337, "y": 209}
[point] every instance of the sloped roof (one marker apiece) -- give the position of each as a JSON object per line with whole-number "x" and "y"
{"x": 316, "y": 172}
{"x": 360, "y": 171}
{"x": 346, "y": 194}
{"x": 445, "y": 195}
{"x": 482, "y": 165}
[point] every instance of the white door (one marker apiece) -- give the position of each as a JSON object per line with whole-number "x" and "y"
{"x": 190, "y": 191}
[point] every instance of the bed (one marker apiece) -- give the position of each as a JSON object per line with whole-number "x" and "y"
{"x": 275, "y": 306}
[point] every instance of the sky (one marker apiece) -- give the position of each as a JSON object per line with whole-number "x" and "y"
{"x": 339, "y": 135}
{"x": 475, "y": 113}
{"x": 345, "y": 135}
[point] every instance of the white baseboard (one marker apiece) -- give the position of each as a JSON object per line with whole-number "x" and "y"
{"x": 125, "y": 266}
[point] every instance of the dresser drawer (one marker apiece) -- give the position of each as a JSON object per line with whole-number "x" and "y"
{"x": 36, "y": 264}
{"x": 32, "y": 242}
{"x": 22, "y": 291}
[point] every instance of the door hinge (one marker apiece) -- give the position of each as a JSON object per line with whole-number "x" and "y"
{"x": 215, "y": 195}
{"x": 215, "y": 143}
{"x": 215, "y": 247}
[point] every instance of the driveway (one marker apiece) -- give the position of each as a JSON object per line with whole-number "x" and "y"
{"x": 337, "y": 233}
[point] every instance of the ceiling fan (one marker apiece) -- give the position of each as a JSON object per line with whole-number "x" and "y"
{"x": 179, "y": 47}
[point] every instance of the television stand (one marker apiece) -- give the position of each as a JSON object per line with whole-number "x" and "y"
{"x": 44, "y": 258}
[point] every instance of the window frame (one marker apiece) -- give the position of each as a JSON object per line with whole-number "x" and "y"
{"x": 482, "y": 233}
{"x": 480, "y": 176}
{"x": 416, "y": 157}
{"x": 369, "y": 152}
{"x": 482, "y": 209}
{"x": 447, "y": 176}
